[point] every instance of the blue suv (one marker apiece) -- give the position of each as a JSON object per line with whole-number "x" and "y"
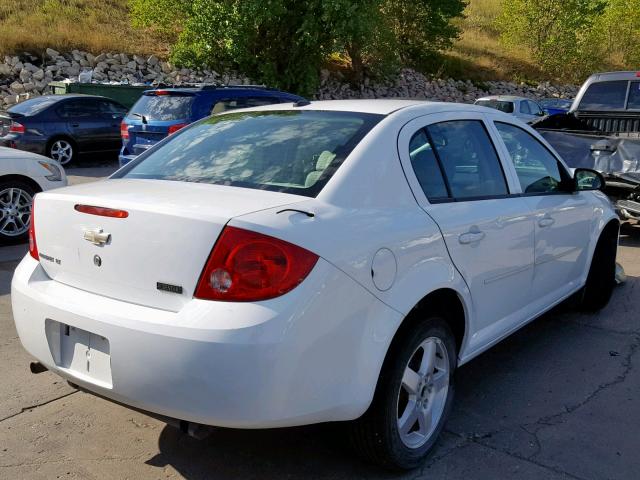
{"x": 161, "y": 112}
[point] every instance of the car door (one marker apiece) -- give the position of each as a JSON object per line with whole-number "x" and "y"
{"x": 562, "y": 216}
{"x": 458, "y": 178}
{"x": 85, "y": 123}
{"x": 112, "y": 114}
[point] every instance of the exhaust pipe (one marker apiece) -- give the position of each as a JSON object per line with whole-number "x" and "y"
{"x": 37, "y": 367}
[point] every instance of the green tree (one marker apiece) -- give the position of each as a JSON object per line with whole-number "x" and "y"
{"x": 618, "y": 32}
{"x": 284, "y": 43}
{"x": 559, "y": 33}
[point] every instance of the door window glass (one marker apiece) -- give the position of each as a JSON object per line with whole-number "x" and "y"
{"x": 78, "y": 109}
{"x": 534, "y": 108}
{"x": 538, "y": 170}
{"x": 524, "y": 107}
{"x": 425, "y": 165}
{"x": 468, "y": 159}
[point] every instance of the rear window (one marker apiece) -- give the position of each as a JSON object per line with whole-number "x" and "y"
{"x": 162, "y": 107}
{"x": 506, "y": 107}
{"x": 33, "y": 106}
{"x": 285, "y": 151}
{"x": 605, "y": 96}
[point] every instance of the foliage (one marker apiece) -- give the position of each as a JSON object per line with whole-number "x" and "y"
{"x": 618, "y": 32}
{"x": 558, "y": 32}
{"x": 285, "y": 42}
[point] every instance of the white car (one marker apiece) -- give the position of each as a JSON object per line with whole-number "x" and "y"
{"x": 520, "y": 107}
{"x": 22, "y": 175}
{"x": 295, "y": 264}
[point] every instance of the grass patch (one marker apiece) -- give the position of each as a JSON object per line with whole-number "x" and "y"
{"x": 91, "y": 25}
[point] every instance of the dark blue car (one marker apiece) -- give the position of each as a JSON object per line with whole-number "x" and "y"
{"x": 161, "y": 112}
{"x": 553, "y": 106}
{"x": 63, "y": 126}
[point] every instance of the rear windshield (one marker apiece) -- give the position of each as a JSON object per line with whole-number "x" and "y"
{"x": 33, "y": 106}
{"x": 285, "y": 151}
{"x": 605, "y": 96}
{"x": 162, "y": 107}
{"x": 506, "y": 107}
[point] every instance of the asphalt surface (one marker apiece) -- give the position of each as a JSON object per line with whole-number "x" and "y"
{"x": 559, "y": 399}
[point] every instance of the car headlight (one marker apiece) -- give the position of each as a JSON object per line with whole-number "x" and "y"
{"x": 54, "y": 170}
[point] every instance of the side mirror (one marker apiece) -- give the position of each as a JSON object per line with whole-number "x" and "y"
{"x": 587, "y": 179}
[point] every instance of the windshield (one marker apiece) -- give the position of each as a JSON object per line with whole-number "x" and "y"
{"x": 286, "y": 151}
{"x": 33, "y": 106}
{"x": 506, "y": 107}
{"x": 162, "y": 107}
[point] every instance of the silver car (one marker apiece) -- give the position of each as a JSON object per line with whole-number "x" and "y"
{"x": 525, "y": 109}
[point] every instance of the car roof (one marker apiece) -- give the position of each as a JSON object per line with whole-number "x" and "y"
{"x": 208, "y": 89}
{"x": 374, "y": 106}
{"x": 504, "y": 98}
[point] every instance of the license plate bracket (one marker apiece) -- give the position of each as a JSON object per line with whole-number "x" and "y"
{"x": 83, "y": 354}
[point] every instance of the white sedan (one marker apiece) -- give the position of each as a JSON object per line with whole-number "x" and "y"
{"x": 22, "y": 175}
{"x": 295, "y": 264}
{"x": 520, "y": 107}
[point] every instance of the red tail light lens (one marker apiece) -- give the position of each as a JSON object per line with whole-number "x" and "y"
{"x": 246, "y": 266}
{"x": 101, "y": 211}
{"x": 16, "y": 127}
{"x": 33, "y": 246}
{"x": 124, "y": 131}
{"x": 176, "y": 127}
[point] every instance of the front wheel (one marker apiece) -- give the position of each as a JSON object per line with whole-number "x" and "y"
{"x": 62, "y": 151}
{"x": 413, "y": 398}
{"x": 16, "y": 202}
{"x": 602, "y": 273}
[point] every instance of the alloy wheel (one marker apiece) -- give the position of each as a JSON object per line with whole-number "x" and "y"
{"x": 61, "y": 151}
{"x": 15, "y": 207}
{"x": 422, "y": 396}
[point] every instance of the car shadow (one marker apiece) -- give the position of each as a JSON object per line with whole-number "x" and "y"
{"x": 322, "y": 451}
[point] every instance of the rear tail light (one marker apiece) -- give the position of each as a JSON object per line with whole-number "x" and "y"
{"x": 101, "y": 211}
{"x": 16, "y": 127}
{"x": 33, "y": 246}
{"x": 246, "y": 266}
{"x": 176, "y": 127}
{"x": 124, "y": 131}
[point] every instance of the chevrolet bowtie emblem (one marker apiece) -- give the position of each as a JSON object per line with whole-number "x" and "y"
{"x": 97, "y": 236}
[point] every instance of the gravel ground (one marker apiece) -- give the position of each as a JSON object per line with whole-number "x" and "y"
{"x": 556, "y": 400}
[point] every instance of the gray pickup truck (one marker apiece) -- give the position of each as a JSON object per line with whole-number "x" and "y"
{"x": 602, "y": 131}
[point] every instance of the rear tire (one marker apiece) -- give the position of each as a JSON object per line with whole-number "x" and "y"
{"x": 16, "y": 203}
{"x": 387, "y": 433}
{"x": 62, "y": 150}
{"x": 602, "y": 274}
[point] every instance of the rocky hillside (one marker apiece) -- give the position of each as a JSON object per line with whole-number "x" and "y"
{"x": 26, "y": 76}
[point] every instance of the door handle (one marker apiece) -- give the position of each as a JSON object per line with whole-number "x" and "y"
{"x": 546, "y": 222}
{"x": 471, "y": 236}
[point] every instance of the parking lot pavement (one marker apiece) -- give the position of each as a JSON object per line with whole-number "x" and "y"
{"x": 556, "y": 400}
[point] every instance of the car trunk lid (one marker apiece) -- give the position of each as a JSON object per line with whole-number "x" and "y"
{"x": 154, "y": 256}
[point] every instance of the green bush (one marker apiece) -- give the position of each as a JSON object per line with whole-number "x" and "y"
{"x": 285, "y": 43}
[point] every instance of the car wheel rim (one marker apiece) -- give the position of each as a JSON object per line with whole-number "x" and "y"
{"x": 15, "y": 206}
{"x": 423, "y": 393}
{"x": 61, "y": 151}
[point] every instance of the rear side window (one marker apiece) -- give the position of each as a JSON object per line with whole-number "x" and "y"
{"x": 162, "y": 107}
{"x": 78, "y": 109}
{"x": 286, "y": 151}
{"x": 538, "y": 170}
{"x": 425, "y": 166}
{"x": 634, "y": 96}
{"x": 468, "y": 159}
{"x": 226, "y": 104}
{"x": 605, "y": 96}
{"x": 506, "y": 107}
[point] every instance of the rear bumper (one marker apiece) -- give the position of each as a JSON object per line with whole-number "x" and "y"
{"x": 37, "y": 145}
{"x": 313, "y": 355}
